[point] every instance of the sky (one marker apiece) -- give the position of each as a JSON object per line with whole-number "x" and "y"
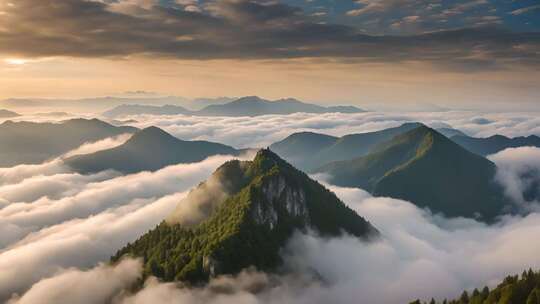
{"x": 451, "y": 53}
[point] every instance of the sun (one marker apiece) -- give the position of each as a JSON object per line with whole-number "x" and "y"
{"x": 15, "y": 61}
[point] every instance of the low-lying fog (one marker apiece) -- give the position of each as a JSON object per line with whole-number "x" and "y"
{"x": 59, "y": 228}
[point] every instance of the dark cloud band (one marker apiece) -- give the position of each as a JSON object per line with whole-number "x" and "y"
{"x": 239, "y": 29}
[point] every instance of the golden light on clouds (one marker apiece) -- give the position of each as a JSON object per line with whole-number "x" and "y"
{"x": 15, "y": 61}
{"x": 327, "y": 81}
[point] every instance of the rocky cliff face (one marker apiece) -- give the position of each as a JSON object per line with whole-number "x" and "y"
{"x": 279, "y": 196}
{"x": 264, "y": 201}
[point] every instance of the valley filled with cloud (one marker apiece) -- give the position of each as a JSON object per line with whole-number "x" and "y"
{"x": 59, "y": 228}
{"x": 269, "y": 151}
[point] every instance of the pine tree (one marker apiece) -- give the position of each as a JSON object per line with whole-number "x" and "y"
{"x": 485, "y": 292}
{"x": 464, "y": 299}
{"x": 534, "y": 297}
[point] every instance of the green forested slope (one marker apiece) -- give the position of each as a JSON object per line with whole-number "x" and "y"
{"x": 427, "y": 169}
{"x": 270, "y": 200}
{"x": 512, "y": 290}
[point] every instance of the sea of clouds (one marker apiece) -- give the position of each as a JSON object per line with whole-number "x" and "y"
{"x": 59, "y": 228}
{"x": 261, "y": 131}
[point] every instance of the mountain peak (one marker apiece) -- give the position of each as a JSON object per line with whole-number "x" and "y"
{"x": 242, "y": 216}
{"x": 151, "y": 135}
{"x": 249, "y": 99}
{"x": 149, "y": 149}
{"x": 267, "y": 155}
{"x": 413, "y": 124}
{"x": 403, "y": 168}
{"x": 153, "y": 131}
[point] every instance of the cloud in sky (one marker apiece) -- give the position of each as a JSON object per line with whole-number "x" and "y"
{"x": 241, "y": 29}
{"x": 413, "y": 16}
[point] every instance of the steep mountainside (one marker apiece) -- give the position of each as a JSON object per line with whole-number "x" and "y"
{"x": 259, "y": 205}
{"x": 512, "y": 290}
{"x": 147, "y": 150}
{"x": 31, "y": 143}
{"x": 308, "y": 150}
{"x": 494, "y": 144}
{"x": 426, "y": 168}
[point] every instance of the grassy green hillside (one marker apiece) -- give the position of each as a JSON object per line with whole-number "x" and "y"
{"x": 426, "y": 168}
{"x": 308, "y": 150}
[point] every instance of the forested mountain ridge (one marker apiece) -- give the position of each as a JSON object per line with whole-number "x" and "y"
{"x": 266, "y": 201}
{"x": 512, "y": 290}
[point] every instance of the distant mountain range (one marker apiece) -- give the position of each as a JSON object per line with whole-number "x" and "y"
{"x": 126, "y": 109}
{"x": 8, "y": 114}
{"x": 427, "y": 169}
{"x": 494, "y": 144}
{"x": 253, "y": 106}
{"x": 149, "y": 149}
{"x": 245, "y": 106}
{"x": 32, "y": 143}
{"x": 89, "y": 104}
{"x": 260, "y": 204}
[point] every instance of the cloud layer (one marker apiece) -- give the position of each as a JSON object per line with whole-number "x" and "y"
{"x": 241, "y": 29}
{"x": 519, "y": 171}
{"x": 421, "y": 256}
{"x": 77, "y": 221}
{"x": 56, "y": 226}
{"x": 262, "y": 131}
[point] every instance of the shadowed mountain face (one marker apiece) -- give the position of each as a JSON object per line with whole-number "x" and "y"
{"x": 308, "y": 150}
{"x": 427, "y": 169}
{"x": 494, "y": 144}
{"x": 259, "y": 205}
{"x": 246, "y": 106}
{"x": 449, "y": 132}
{"x": 148, "y": 150}
{"x": 32, "y": 143}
